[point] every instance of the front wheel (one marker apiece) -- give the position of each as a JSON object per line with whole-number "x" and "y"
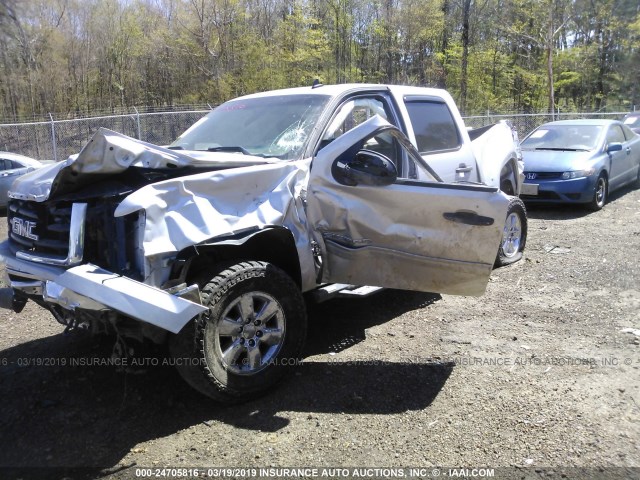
{"x": 251, "y": 335}
{"x": 514, "y": 234}
{"x": 600, "y": 193}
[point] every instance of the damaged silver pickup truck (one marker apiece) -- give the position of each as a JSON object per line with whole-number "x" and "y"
{"x": 210, "y": 243}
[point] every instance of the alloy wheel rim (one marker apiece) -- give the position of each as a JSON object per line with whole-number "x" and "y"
{"x": 250, "y": 333}
{"x": 601, "y": 192}
{"x": 511, "y": 235}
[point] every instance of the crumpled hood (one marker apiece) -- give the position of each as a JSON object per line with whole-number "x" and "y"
{"x": 188, "y": 210}
{"x": 36, "y": 185}
{"x": 210, "y": 195}
{"x": 109, "y": 153}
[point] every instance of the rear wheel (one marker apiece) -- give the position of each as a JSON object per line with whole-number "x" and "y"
{"x": 514, "y": 234}
{"x": 251, "y": 335}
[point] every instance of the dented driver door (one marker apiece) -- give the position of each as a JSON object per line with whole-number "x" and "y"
{"x": 380, "y": 223}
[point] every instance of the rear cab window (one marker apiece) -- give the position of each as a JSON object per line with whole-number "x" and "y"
{"x": 433, "y": 125}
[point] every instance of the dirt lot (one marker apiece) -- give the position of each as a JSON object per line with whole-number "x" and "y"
{"x": 537, "y": 374}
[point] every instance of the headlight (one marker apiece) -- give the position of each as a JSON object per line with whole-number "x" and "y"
{"x": 578, "y": 174}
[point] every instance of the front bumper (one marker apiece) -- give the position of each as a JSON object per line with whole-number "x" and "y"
{"x": 91, "y": 288}
{"x": 576, "y": 190}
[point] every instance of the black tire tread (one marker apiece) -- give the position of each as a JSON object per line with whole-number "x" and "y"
{"x": 200, "y": 376}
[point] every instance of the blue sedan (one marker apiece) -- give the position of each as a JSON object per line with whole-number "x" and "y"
{"x": 579, "y": 161}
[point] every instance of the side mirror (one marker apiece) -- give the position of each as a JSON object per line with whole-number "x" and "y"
{"x": 614, "y": 147}
{"x": 366, "y": 167}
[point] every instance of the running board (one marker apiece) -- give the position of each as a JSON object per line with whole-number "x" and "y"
{"x": 342, "y": 290}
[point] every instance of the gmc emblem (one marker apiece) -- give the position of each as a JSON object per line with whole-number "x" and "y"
{"x": 24, "y": 228}
{"x": 531, "y": 176}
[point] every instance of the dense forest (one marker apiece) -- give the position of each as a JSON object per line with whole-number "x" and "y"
{"x": 75, "y": 57}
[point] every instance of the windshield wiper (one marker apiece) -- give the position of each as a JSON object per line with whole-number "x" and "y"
{"x": 244, "y": 151}
{"x": 562, "y": 149}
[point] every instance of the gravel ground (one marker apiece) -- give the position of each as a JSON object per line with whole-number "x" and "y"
{"x": 537, "y": 375}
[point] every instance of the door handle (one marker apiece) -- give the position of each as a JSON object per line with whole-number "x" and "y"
{"x": 462, "y": 168}
{"x": 468, "y": 218}
{"x": 628, "y": 150}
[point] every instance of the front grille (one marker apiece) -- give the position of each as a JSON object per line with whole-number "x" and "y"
{"x": 543, "y": 175}
{"x": 41, "y": 228}
{"x": 40, "y": 231}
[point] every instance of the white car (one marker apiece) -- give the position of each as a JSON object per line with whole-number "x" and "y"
{"x": 12, "y": 166}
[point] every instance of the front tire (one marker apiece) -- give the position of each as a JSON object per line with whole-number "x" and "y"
{"x": 600, "y": 193}
{"x": 251, "y": 335}
{"x": 514, "y": 234}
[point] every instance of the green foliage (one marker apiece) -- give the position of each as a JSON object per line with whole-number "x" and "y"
{"x": 78, "y": 56}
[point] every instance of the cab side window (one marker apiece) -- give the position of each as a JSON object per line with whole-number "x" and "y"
{"x": 362, "y": 158}
{"x": 433, "y": 125}
{"x": 352, "y": 113}
{"x": 356, "y": 111}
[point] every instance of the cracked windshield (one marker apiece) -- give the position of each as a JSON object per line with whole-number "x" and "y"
{"x": 269, "y": 127}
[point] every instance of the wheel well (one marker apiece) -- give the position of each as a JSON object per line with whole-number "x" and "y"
{"x": 508, "y": 179}
{"x": 275, "y": 245}
{"x": 507, "y": 187}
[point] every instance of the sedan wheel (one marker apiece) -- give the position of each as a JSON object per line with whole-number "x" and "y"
{"x": 600, "y": 193}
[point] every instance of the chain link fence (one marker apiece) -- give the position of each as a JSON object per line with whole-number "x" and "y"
{"x": 57, "y": 139}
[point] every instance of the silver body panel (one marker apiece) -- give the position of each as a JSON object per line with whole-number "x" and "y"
{"x": 189, "y": 210}
{"x": 398, "y": 236}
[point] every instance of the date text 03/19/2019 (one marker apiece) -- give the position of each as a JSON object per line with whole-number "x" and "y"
{"x": 281, "y": 472}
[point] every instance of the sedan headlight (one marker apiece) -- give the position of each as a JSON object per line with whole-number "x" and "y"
{"x": 578, "y": 174}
